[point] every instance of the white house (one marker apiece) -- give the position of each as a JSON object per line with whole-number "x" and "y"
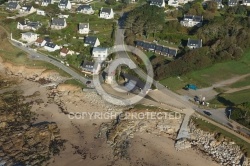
{"x": 29, "y": 37}
{"x": 85, "y": 9}
{"x": 13, "y": 6}
{"x": 219, "y": 4}
{"x": 159, "y": 3}
{"x": 47, "y": 2}
{"x": 246, "y": 2}
{"x": 28, "y": 25}
{"x": 51, "y": 47}
{"x": 64, "y": 5}
{"x": 27, "y": 9}
{"x": 106, "y": 13}
{"x": 40, "y": 42}
{"x": 232, "y": 3}
{"x": 192, "y": 44}
{"x": 174, "y": 3}
{"x": 91, "y": 41}
{"x": 83, "y": 28}
{"x": 99, "y": 53}
{"x": 58, "y": 23}
{"x": 190, "y": 21}
{"x": 40, "y": 12}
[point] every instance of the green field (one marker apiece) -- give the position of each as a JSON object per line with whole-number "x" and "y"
{"x": 245, "y": 147}
{"x": 241, "y": 83}
{"x": 232, "y": 98}
{"x": 208, "y": 76}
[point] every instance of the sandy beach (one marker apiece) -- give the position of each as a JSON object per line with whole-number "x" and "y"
{"x": 83, "y": 147}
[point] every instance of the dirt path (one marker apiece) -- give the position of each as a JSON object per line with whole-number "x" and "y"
{"x": 230, "y": 81}
{"x": 232, "y": 90}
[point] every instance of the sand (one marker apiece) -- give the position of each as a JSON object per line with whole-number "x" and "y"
{"x": 144, "y": 149}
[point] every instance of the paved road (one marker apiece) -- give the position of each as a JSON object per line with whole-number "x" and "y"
{"x": 37, "y": 56}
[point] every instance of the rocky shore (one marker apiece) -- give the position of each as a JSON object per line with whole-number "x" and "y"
{"x": 22, "y": 141}
{"x": 223, "y": 151}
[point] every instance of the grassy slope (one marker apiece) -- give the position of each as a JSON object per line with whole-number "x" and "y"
{"x": 208, "y": 76}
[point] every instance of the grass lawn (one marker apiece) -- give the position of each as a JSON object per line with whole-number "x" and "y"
{"x": 245, "y": 147}
{"x": 232, "y": 98}
{"x": 208, "y": 76}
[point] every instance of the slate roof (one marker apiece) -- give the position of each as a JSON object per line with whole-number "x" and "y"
{"x": 172, "y": 52}
{"x": 28, "y": 7}
{"x": 49, "y": 44}
{"x": 156, "y": 2}
{"x": 157, "y": 48}
{"x": 47, "y": 1}
{"x": 83, "y": 25}
{"x": 164, "y": 50}
{"x": 63, "y": 3}
{"x": 139, "y": 43}
{"x": 58, "y": 21}
{"x": 99, "y": 49}
{"x": 106, "y": 10}
{"x": 29, "y": 33}
{"x": 194, "y": 42}
{"x": 83, "y": 7}
{"x": 90, "y": 40}
{"x": 193, "y": 17}
{"x": 12, "y": 5}
{"x": 87, "y": 65}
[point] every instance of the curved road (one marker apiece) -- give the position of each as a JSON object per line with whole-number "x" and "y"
{"x": 37, "y": 56}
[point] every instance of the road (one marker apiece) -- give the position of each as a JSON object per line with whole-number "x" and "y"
{"x": 37, "y": 56}
{"x": 165, "y": 96}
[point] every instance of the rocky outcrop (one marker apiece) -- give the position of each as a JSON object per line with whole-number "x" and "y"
{"x": 33, "y": 74}
{"x": 220, "y": 149}
{"x": 21, "y": 141}
{"x": 121, "y": 130}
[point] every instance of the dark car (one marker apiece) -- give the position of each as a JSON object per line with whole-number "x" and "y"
{"x": 88, "y": 82}
{"x": 207, "y": 113}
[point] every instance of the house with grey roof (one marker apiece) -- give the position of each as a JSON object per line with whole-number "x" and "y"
{"x": 47, "y": 2}
{"x": 191, "y": 21}
{"x": 158, "y": 49}
{"x": 99, "y": 53}
{"x": 83, "y": 28}
{"x": 85, "y": 9}
{"x": 87, "y": 66}
{"x": 27, "y": 9}
{"x": 58, "y": 23}
{"x": 29, "y": 37}
{"x": 13, "y": 6}
{"x": 232, "y": 3}
{"x": 28, "y": 25}
{"x": 91, "y": 41}
{"x": 193, "y": 43}
{"x": 51, "y": 47}
{"x": 106, "y": 13}
{"x": 246, "y": 2}
{"x": 64, "y": 5}
{"x": 159, "y": 3}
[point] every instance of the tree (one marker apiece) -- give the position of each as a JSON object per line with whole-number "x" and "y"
{"x": 110, "y": 2}
{"x": 211, "y": 6}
